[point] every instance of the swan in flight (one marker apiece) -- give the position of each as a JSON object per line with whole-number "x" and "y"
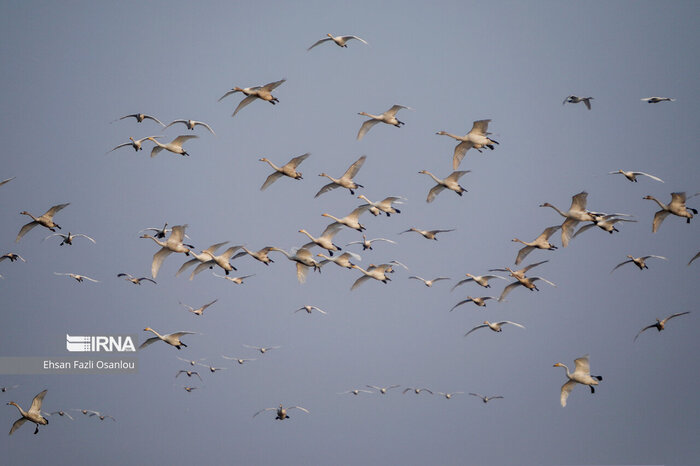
{"x": 60, "y": 413}
{"x": 428, "y": 283}
{"x": 15, "y": 257}
{"x": 309, "y": 308}
{"x": 68, "y": 239}
{"x": 527, "y": 282}
{"x": 189, "y": 361}
{"x": 7, "y": 180}
{"x": 262, "y": 349}
{"x": 417, "y": 391}
{"x": 383, "y": 390}
{"x": 356, "y": 391}
{"x": 638, "y": 261}
{"x": 223, "y": 260}
{"x": 289, "y": 169}
{"x": 486, "y": 399}
{"x": 689, "y": 262}
{"x": 377, "y": 272}
{"x": 427, "y": 234}
{"x": 576, "y": 213}
{"x": 261, "y": 255}
{"x": 518, "y": 274}
{"x": 206, "y": 256}
{"x": 212, "y": 369}
{"x": 236, "y": 280}
{"x": 477, "y": 138}
{"x": 345, "y": 181}
{"x": 325, "y": 241}
{"x": 482, "y": 280}
{"x": 188, "y": 389}
{"x": 191, "y": 124}
{"x": 142, "y": 116}
{"x": 367, "y": 243}
{"x": 572, "y": 99}
{"x": 256, "y": 92}
{"x": 541, "y": 242}
{"x": 632, "y": 175}
{"x": 385, "y": 205}
{"x": 172, "y": 244}
{"x": 581, "y": 374}
{"x": 342, "y": 260}
{"x": 32, "y": 415}
{"x": 451, "y": 183}
{"x": 481, "y": 302}
{"x": 449, "y": 395}
{"x": 388, "y": 117}
{"x": 200, "y": 310}
{"x": 101, "y": 416}
{"x": 238, "y": 360}
{"x": 173, "y": 339}
{"x": 656, "y": 100}
{"x": 188, "y": 373}
{"x": 45, "y": 220}
{"x": 676, "y": 207}
{"x": 351, "y": 220}
{"x": 282, "y": 412}
{"x": 303, "y": 258}
{"x": 340, "y": 41}
{"x": 135, "y": 143}
{"x": 660, "y": 324}
{"x": 495, "y": 326}
{"x": 77, "y": 277}
{"x": 174, "y": 146}
{"x": 605, "y": 223}
{"x": 160, "y": 232}
{"x": 136, "y": 281}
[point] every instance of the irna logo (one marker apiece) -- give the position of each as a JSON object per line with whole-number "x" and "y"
{"x": 92, "y": 343}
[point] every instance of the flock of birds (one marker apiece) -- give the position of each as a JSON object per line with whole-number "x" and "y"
{"x": 172, "y": 241}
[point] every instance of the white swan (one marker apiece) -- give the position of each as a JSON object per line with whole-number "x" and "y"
{"x": 451, "y": 183}
{"x": 79, "y": 278}
{"x": 309, "y": 308}
{"x": 527, "y": 282}
{"x": 32, "y": 415}
{"x": 282, "y": 412}
{"x": 206, "y": 255}
{"x": 303, "y": 258}
{"x": 572, "y": 99}
{"x": 256, "y": 92}
{"x": 174, "y": 146}
{"x": 236, "y": 280}
{"x": 142, "y": 116}
{"x": 576, "y": 213}
{"x": 479, "y": 301}
{"x": 352, "y": 219}
{"x": 134, "y": 280}
{"x": 427, "y": 234}
{"x": 173, "y": 339}
{"x": 388, "y": 117}
{"x": 477, "y": 138}
{"x": 15, "y": 257}
{"x": 7, "y": 180}
{"x": 638, "y": 261}
{"x": 261, "y": 255}
{"x": 486, "y": 399}
{"x": 385, "y": 205}
{"x": 377, "y": 272}
{"x": 495, "y": 326}
{"x": 200, "y": 310}
{"x": 325, "y": 241}
{"x": 581, "y": 374}
{"x": 340, "y": 41}
{"x": 191, "y": 124}
{"x": 262, "y": 349}
{"x": 172, "y": 244}
{"x": 656, "y": 100}
{"x": 676, "y": 207}
{"x": 541, "y": 242}
{"x": 45, "y": 220}
{"x": 367, "y": 243}
{"x": 660, "y": 324}
{"x": 345, "y": 181}
{"x": 632, "y": 175}
{"x": 135, "y": 143}
{"x": 383, "y": 390}
{"x": 68, "y": 239}
{"x": 342, "y": 260}
{"x": 428, "y": 283}
{"x": 289, "y": 169}
{"x": 481, "y": 280}
{"x": 223, "y": 260}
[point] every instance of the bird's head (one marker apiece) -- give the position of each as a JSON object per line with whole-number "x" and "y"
{"x": 441, "y": 133}
{"x": 263, "y": 159}
{"x": 546, "y": 204}
{"x": 558, "y": 365}
{"x": 647, "y": 197}
{"x": 148, "y": 329}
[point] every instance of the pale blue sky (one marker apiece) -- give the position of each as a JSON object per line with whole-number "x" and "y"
{"x": 70, "y": 69}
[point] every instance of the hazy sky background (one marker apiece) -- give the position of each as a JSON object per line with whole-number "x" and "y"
{"x": 70, "y": 69}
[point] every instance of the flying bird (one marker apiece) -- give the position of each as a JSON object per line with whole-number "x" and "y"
{"x": 262, "y": 349}
{"x": 200, "y": 310}
{"x": 15, "y": 257}
{"x": 451, "y": 183}
{"x": 581, "y": 375}
{"x": 236, "y": 280}
{"x": 481, "y": 280}
{"x": 68, "y": 239}
{"x": 632, "y": 175}
{"x": 676, "y": 207}
{"x": 388, "y": 117}
{"x": 495, "y": 326}
{"x": 7, "y": 180}
{"x": 638, "y": 261}
{"x": 173, "y": 339}
{"x": 308, "y": 309}
{"x": 481, "y": 302}
{"x": 486, "y": 399}
{"x": 191, "y": 124}
{"x": 427, "y": 234}
{"x": 256, "y": 92}
{"x": 135, "y": 143}
{"x": 572, "y": 99}
{"x": 282, "y": 412}
{"x": 367, "y": 243}
{"x": 188, "y": 373}
{"x": 78, "y": 277}
{"x": 32, "y": 415}
{"x": 345, "y": 181}
{"x": 383, "y": 390}
{"x": 340, "y": 41}
{"x": 134, "y": 280}
{"x": 289, "y": 169}
{"x": 385, "y": 205}
{"x": 660, "y": 324}
{"x": 656, "y": 100}
{"x": 576, "y": 213}
{"x": 174, "y": 146}
{"x": 428, "y": 283}
{"x": 45, "y": 220}
{"x": 477, "y": 138}
{"x": 142, "y": 116}
{"x": 541, "y": 242}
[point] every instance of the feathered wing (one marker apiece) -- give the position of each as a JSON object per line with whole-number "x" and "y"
{"x": 567, "y": 229}
{"x": 321, "y": 41}
{"x": 460, "y": 151}
{"x": 480, "y": 127}
{"x": 148, "y": 342}
{"x": 366, "y": 126}
{"x": 201, "y": 267}
{"x": 359, "y": 282}
{"x": 294, "y": 163}
{"x": 522, "y": 254}
{"x": 158, "y": 259}
{"x": 565, "y": 390}
{"x": 25, "y": 229}
{"x": 327, "y": 188}
{"x": 437, "y": 189}
{"x": 17, "y": 424}
{"x": 507, "y": 290}
{"x": 35, "y": 408}
{"x": 658, "y": 218}
{"x": 271, "y": 179}
{"x": 475, "y": 328}
{"x": 302, "y": 272}
{"x": 156, "y": 150}
{"x": 243, "y": 103}
{"x": 393, "y": 110}
{"x": 354, "y": 168}
{"x": 273, "y": 85}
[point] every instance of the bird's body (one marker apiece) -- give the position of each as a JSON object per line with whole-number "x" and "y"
{"x": 383, "y": 390}
{"x": 427, "y": 234}
{"x": 581, "y": 375}
{"x": 449, "y": 395}
{"x": 256, "y": 92}
{"x": 200, "y": 310}
{"x": 572, "y": 99}
{"x": 205, "y": 256}
{"x": 495, "y": 326}
{"x": 238, "y": 360}
{"x": 385, "y": 205}
{"x": 68, "y": 239}
{"x": 345, "y": 181}
{"x": 173, "y": 339}
{"x": 486, "y": 399}
{"x": 604, "y": 222}
{"x": 417, "y": 391}
{"x": 304, "y": 260}
{"x": 309, "y": 308}
{"x": 660, "y": 324}
{"x": 676, "y": 207}
{"x": 377, "y": 272}
{"x": 31, "y": 415}
{"x": 656, "y": 100}
{"x": 77, "y": 277}
{"x": 262, "y": 349}
{"x": 576, "y": 213}
{"x": 191, "y": 124}
{"x": 481, "y": 280}
{"x": 172, "y": 244}
{"x": 261, "y": 255}
{"x": 134, "y": 280}
{"x": 640, "y": 262}
{"x": 342, "y": 260}
{"x": 289, "y": 169}
{"x": 477, "y": 138}
{"x": 479, "y": 301}
{"x": 136, "y": 144}
{"x": 527, "y": 282}
{"x": 223, "y": 260}
{"x": 351, "y": 220}
{"x": 451, "y": 183}
{"x": 45, "y": 220}
{"x": 282, "y": 411}
{"x": 367, "y": 243}
{"x": 140, "y": 117}
{"x": 340, "y": 41}
{"x": 174, "y": 146}
{"x": 541, "y": 242}
{"x": 632, "y": 175}
{"x": 388, "y": 117}
{"x": 325, "y": 241}
{"x": 428, "y": 283}
{"x": 518, "y": 274}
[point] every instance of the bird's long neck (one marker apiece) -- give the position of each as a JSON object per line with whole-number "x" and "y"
{"x": 156, "y": 333}
{"x": 273, "y": 165}
{"x": 521, "y": 241}
{"x": 160, "y": 243}
{"x": 334, "y": 180}
{"x": 360, "y": 269}
{"x": 435, "y": 178}
{"x": 362, "y": 196}
{"x": 36, "y": 219}
{"x": 453, "y": 136}
{"x": 334, "y": 218}
{"x": 661, "y": 204}
{"x": 307, "y": 234}
{"x": 21, "y": 411}
{"x": 558, "y": 211}
{"x": 157, "y": 143}
{"x": 374, "y": 117}
{"x": 568, "y": 374}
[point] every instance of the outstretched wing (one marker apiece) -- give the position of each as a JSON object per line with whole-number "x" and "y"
{"x": 321, "y": 41}
{"x": 460, "y": 151}
{"x": 355, "y": 167}
{"x": 35, "y": 408}
{"x": 271, "y": 179}
{"x": 243, "y": 103}
{"x": 366, "y": 126}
